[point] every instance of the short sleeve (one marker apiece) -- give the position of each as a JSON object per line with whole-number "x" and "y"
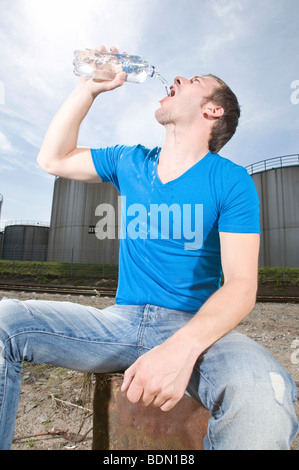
{"x": 239, "y": 211}
{"x": 106, "y": 161}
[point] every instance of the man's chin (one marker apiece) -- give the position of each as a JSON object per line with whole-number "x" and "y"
{"x": 161, "y": 117}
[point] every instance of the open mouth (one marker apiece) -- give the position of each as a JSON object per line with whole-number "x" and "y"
{"x": 169, "y": 95}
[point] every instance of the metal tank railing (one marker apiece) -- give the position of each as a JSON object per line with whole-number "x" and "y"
{"x": 27, "y": 222}
{"x": 271, "y": 163}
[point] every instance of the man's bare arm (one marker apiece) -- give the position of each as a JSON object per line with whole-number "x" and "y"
{"x": 59, "y": 154}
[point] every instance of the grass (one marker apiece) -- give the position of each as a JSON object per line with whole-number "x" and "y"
{"x": 85, "y": 274}
{"x": 279, "y": 276}
{"x": 58, "y": 273}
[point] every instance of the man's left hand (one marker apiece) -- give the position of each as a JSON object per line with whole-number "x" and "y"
{"x": 159, "y": 377}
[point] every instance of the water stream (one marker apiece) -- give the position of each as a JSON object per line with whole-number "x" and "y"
{"x": 165, "y": 83}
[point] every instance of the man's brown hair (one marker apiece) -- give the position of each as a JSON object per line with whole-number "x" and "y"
{"x": 226, "y": 125}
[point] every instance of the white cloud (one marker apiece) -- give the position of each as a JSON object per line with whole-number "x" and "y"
{"x": 269, "y": 113}
{"x": 5, "y": 167}
{"x": 2, "y": 93}
{"x": 225, "y": 7}
{"x": 5, "y": 144}
{"x": 68, "y": 24}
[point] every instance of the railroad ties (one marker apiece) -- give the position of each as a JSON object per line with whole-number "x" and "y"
{"x": 106, "y": 292}
{"x": 59, "y": 289}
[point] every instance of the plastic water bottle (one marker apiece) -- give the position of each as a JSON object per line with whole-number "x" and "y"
{"x": 102, "y": 65}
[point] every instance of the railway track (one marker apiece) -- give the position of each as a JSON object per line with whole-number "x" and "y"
{"x": 110, "y": 292}
{"x": 62, "y": 290}
{"x": 278, "y": 299}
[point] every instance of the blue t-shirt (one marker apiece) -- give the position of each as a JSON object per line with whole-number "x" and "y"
{"x": 169, "y": 243}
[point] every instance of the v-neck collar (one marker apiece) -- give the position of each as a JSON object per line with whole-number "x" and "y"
{"x": 179, "y": 178}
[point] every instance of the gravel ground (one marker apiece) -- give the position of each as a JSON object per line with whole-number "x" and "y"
{"x": 57, "y": 403}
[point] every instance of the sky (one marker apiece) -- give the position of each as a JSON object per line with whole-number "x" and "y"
{"x": 253, "y": 45}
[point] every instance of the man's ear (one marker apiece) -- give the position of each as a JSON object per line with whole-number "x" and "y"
{"x": 212, "y": 112}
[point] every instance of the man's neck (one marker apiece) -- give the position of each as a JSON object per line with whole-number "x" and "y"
{"x": 181, "y": 150}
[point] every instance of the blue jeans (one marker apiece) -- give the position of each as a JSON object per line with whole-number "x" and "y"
{"x": 249, "y": 395}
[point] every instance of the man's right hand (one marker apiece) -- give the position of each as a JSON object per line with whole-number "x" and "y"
{"x": 95, "y": 87}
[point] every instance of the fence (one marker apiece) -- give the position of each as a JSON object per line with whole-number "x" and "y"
{"x": 276, "y": 162}
{"x": 91, "y": 273}
{"x": 63, "y": 265}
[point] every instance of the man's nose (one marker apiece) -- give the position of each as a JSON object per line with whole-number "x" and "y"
{"x": 180, "y": 81}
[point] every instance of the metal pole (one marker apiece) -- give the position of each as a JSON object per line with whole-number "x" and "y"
{"x": 103, "y": 263}
{"x": 14, "y": 259}
{"x": 43, "y": 255}
{"x": 72, "y": 261}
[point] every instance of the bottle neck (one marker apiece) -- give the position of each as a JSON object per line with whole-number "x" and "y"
{"x": 153, "y": 71}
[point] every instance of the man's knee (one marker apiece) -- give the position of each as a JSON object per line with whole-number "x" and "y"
{"x": 260, "y": 414}
{"x": 13, "y": 317}
{"x": 250, "y": 396}
{"x": 9, "y": 312}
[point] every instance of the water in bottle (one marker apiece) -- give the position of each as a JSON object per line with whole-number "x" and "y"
{"x": 102, "y": 65}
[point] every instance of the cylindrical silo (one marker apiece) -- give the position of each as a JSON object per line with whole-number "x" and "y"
{"x": 278, "y": 190}
{"x": 1, "y": 233}
{"x": 72, "y": 236}
{"x": 1, "y": 243}
{"x": 1, "y": 202}
{"x": 25, "y": 242}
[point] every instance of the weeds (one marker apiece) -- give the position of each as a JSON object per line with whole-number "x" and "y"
{"x": 106, "y": 275}
{"x": 59, "y": 273}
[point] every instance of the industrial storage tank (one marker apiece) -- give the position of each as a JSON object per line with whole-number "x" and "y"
{"x": 1, "y": 232}
{"x": 1, "y": 243}
{"x": 74, "y": 219}
{"x": 277, "y": 183}
{"x": 1, "y": 202}
{"x": 25, "y": 241}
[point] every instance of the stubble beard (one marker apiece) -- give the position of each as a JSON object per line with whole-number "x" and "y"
{"x": 163, "y": 117}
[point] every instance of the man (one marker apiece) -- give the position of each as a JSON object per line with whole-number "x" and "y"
{"x": 171, "y": 329}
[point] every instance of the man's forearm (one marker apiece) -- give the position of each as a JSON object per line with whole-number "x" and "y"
{"x": 220, "y": 314}
{"x": 62, "y": 135}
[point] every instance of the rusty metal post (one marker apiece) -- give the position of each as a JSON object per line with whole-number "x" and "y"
{"x": 121, "y": 425}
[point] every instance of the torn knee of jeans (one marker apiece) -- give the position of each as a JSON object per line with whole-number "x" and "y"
{"x": 278, "y": 386}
